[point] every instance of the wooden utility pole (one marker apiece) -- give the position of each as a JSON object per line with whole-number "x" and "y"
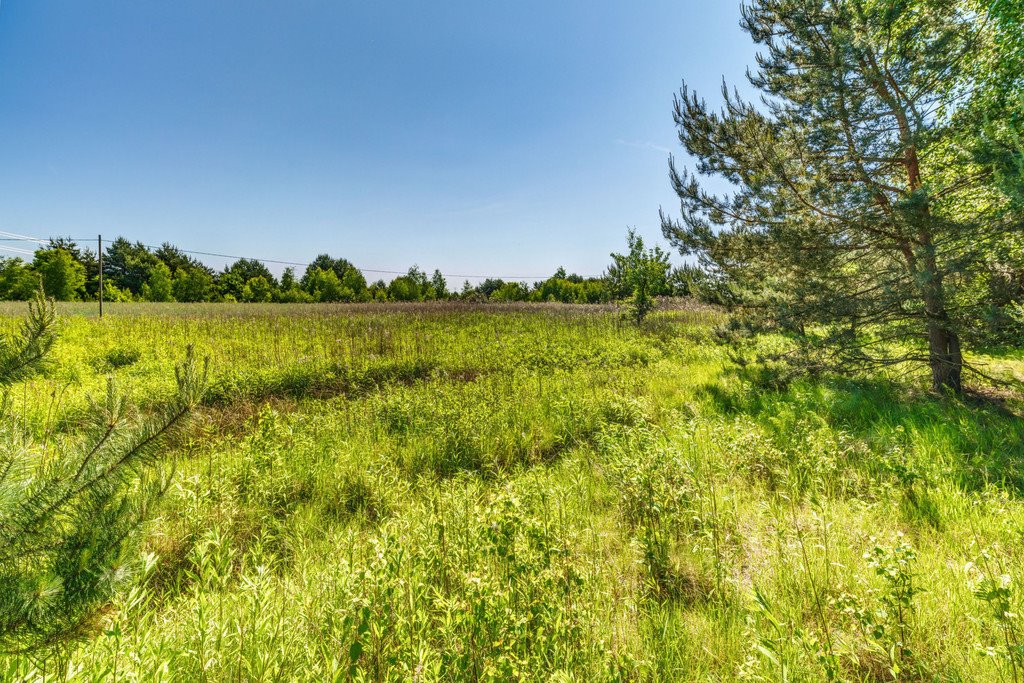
{"x": 99, "y": 252}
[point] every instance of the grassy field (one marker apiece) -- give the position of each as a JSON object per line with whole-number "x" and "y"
{"x": 449, "y": 492}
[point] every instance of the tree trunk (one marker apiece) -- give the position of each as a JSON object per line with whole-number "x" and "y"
{"x": 944, "y": 355}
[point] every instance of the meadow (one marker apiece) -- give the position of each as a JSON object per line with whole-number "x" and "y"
{"x": 541, "y": 492}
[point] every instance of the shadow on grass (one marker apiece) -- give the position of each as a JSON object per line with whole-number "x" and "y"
{"x": 316, "y": 381}
{"x": 975, "y": 439}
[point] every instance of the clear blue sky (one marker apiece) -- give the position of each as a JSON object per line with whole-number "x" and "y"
{"x": 501, "y": 137}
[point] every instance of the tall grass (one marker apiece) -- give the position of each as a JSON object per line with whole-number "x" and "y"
{"x": 453, "y": 492}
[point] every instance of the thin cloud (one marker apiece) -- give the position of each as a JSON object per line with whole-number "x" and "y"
{"x": 642, "y": 144}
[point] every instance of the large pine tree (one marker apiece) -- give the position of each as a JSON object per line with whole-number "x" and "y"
{"x": 858, "y": 211}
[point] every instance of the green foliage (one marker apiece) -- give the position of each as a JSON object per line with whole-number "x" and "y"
{"x": 511, "y": 291}
{"x": 453, "y": 491}
{"x": 192, "y": 285}
{"x": 249, "y": 269}
{"x": 994, "y": 586}
{"x": 438, "y": 285}
{"x": 571, "y": 289}
{"x": 127, "y": 266}
{"x": 861, "y": 212}
{"x": 413, "y": 286}
{"x": 70, "y": 510}
{"x": 159, "y": 286}
{"x": 351, "y": 283}
{"x": 23, "y": 354}
{"x": 258, "y": 290}
{"x": 63, "y": 277}
{"x": 113, "y": 293}
{"x": 135, "y": 273}
{"x": 639, "y": 275}
{"x": 17, "y": 281}
{"x": 324, "y": 286}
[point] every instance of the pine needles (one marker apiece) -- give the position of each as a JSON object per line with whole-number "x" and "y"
{"x": 70, "y": 510}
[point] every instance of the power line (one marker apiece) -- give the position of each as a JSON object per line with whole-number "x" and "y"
{"x": 11, "y": 236}
{"x": 16, "y": 250}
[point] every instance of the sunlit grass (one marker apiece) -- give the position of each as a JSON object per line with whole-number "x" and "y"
{"x": 542, "y": 493}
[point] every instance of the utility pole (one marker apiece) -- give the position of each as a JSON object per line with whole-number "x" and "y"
{"x": 99, "y": 252}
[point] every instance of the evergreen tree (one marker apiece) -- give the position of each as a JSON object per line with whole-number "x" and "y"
{"x": 288, "y": 280}
{"x": 438, "y": 286}
{"x": 248, "y": 269}
{"x": 128, "y": 265}
{"x": 69, "y": 522}
{"x": 855, "y": 213}
{"x": 176, "y": 259}
{"x": 1001, "y": 99}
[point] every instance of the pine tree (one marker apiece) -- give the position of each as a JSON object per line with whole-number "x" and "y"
{"x": 856, "y": 214}
{"x": 70, "y": 513}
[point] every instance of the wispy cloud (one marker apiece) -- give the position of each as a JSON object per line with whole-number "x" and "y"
{"x": 643, "y": 144}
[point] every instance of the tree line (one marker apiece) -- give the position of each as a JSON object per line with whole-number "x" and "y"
{"x": 134, "y": 272}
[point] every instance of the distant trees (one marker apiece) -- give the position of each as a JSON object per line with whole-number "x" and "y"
{"x": 159, "y": 285}
{"x": 325, "y": 286}
{"x": 17, "y": 281}
{"x": 439, "y": 285}
{"x": 290, "y": 291}
{"x": 192, "y": 285}
{"x": 135, "y": 272}
{"x": 572, "y": 289}
{"x": 190, "y": 280}
{"x": 350, "y": 286}
{"x": 128, "y": 266}
{"x": 860, "y": 209}
{"x": 415, "y": 286}
{"x": 511, "y": 291}
{"x": 63, "y": 277}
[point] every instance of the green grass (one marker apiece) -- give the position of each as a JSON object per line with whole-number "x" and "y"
{"x": 451, "y": 492}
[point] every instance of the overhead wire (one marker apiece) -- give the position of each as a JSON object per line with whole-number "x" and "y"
{"x": 17, "y": 250}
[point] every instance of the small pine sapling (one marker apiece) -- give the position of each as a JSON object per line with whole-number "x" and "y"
{"x": 70, "y": 513}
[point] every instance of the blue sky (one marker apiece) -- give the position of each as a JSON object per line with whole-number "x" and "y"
{"x": 492, "y": 137}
